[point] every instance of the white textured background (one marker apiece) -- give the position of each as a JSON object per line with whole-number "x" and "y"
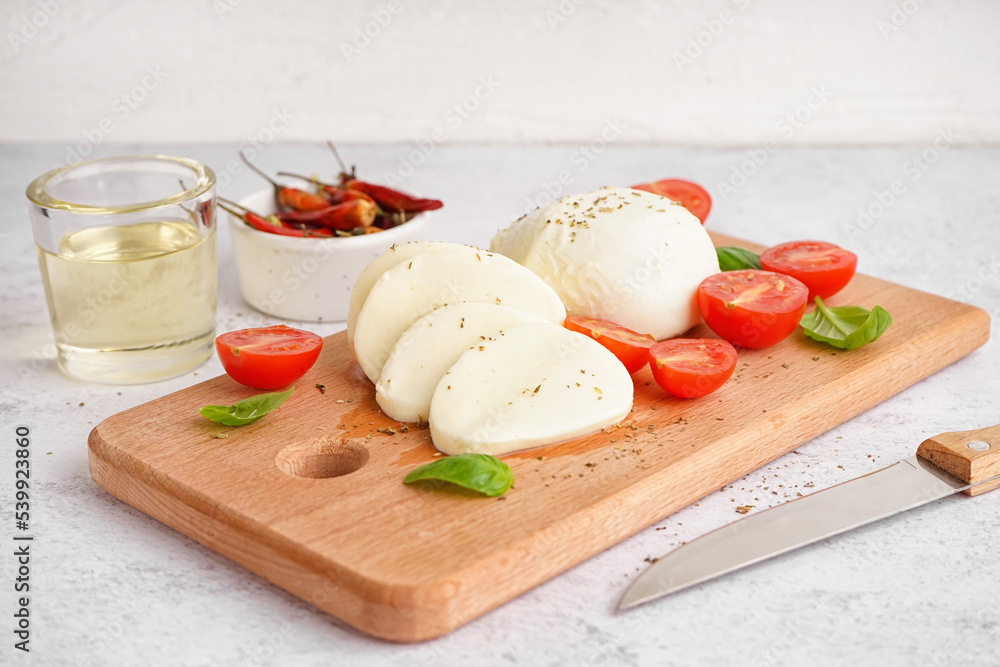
{"x": 724, "y": 72}
{"x": 115, "y": 588}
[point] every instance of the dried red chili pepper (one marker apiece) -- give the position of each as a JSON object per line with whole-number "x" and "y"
{"x": 345, "y": 217}
{"x": 334, "y": 194}
{"x": 272, "y": 224}
{"x": 392, "y": 200}
{"x": 337, "y": 195}
{"x": 300, "y": 200}
{"x": 288, "y": 197}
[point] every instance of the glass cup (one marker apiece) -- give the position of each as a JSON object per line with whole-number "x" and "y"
{"x": 126, "y": 246}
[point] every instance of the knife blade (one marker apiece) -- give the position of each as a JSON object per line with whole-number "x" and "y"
{"x": 959, "y": 461}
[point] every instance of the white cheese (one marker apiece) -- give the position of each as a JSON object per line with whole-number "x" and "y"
{"x": 411, "y": 289}
{"x": 618, "y": 254}
{"x": 430, "y": 346}
{"x": 532, "y": 385}
{"x": 381, "y": 264}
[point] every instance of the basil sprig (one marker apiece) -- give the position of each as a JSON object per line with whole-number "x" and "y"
{"x": 246, "y": 411}
{"x": 732, "y": 258}
{"x": 478, "y": 472}
{"x": 845, "y": 327}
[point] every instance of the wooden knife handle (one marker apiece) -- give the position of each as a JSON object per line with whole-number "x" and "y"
{"x": 972, "y": 456}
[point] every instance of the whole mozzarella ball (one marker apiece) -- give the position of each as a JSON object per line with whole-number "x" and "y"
{"x": 617, "y": 254}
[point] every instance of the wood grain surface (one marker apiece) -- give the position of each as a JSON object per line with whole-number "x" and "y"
{"x": 972, "y": 456}
{"x": 407, "y": 563}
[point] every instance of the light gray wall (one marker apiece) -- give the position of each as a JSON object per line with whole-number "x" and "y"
{"x": 723, "y": 72}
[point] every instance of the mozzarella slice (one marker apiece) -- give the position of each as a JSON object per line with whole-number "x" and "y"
{"x": 381, "y": 264}
{"x": 430, "y": 346}
{"x": 411, "y": 289}
{"x": 532, "y": 385}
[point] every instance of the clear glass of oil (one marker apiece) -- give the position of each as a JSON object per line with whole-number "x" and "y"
{"x": 126, "y": 246}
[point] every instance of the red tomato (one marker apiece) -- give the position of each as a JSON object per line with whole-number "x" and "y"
{"x": 823, "y": 267}
{"x": 691, "y": 196}
{"x": 630, "y": 347}
{"x": 692, "y": 367}
{"x": 268, "y": 358}
{"x": 751, "y": 308}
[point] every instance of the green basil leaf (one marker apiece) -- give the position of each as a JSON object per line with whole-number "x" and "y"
{"x": 737, "y": 259}
{"x": 846, "y": 327}
{"x": 246, "y": 411}
{"x": 479, "y": 472}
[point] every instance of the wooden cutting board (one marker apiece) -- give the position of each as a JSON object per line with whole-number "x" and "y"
{"x": 311, "y": 497}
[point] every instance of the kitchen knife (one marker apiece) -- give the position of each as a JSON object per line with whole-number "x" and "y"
{"x": 966, "y": 461}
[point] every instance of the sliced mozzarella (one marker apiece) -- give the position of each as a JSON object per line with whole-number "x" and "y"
{"x": 430, "y": 346}
{"x": 617, "y": 254}
{"x": 381, "y": 264}
{"x": 411, "y": 289}
{"x": 532, "y": 385}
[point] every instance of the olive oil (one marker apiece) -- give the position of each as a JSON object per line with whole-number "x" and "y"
{"x": 132, "y": 303}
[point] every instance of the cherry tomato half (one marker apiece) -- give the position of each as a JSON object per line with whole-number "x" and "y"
{"x": 824, "y": 267}
{"x": 751, "y": 308}
{"x": 629, "y": 346}
{"x": 270, "y": 357}
{"x": 692, "y": 367}
{"x": 692, "y": 196}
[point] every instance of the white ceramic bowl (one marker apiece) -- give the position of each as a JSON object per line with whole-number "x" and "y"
{"x": 306, "y": 279}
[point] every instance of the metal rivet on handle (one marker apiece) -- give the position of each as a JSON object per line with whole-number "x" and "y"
{"x": 979, "y": 445}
